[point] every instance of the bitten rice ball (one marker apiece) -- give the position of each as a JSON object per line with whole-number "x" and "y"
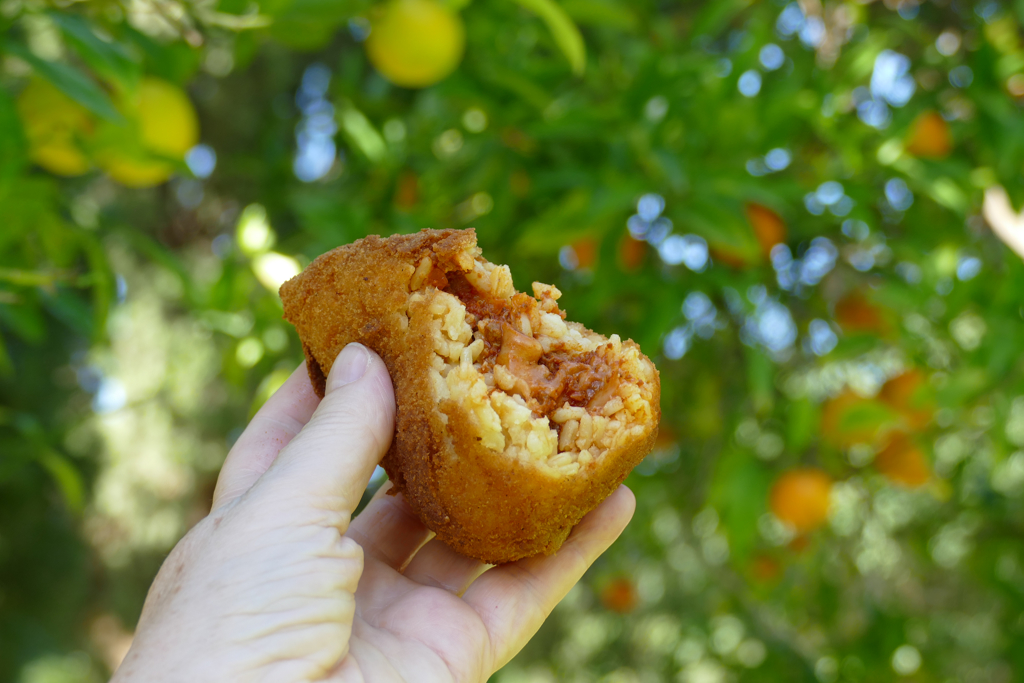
{"x": 511, "y": 423}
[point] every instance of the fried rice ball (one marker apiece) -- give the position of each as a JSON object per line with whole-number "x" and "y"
{"x": 511, "y": 423}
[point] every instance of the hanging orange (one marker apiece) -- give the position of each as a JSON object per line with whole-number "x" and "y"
{"x": 855, "y": 314}
{"x": 730, "y": 256}
{"x": 910, "y": 395}
{"x": 902, "y": 462}
{"x": 768, "y": 226}
{"x": 929, "y": 136}
{"x": 586, "y": 252}
{"x": 619, "y": 595}
{"x": 800, "y": 498}
{"x": 55, "y": 127}
{"x": 765, "y": 568}
{"x": 415, "y": 43}
{"x": 162, "y": 127}
{"x": 631, "y": 252}
{"x": 849, "y": 419}
{"x": 407, "y": 191}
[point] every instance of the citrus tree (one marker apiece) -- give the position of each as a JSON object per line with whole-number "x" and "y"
{"x": 798, "y": 209}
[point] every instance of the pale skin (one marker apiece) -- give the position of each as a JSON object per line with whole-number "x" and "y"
{"x": 280, "y": 583}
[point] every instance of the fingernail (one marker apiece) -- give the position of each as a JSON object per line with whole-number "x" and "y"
{"x": 350, "y": 365}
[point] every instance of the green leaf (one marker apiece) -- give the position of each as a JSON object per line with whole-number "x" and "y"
{"x": 563, "y": 30}
{"x": 803, "y": 419}
{"x": 67, "y": 477}
{"x": 739, "y": 489}
{"x": 71, "y": 310}
{"x": 513, "y": 81}
{"x": 26, "y": 321}
{"x": 12, "y": 139}
{"x": 158, "y": 253}
{"x": 715, "y": 16}
{"x": 601, "y": 13}
{"x": 332, "y": 11}
{"x": 361, "y": 133}
{"x": 6, "y": 366}
{"x": 546, "y": 232}
{"x": 234, "y": 22}
{"x": 309, "y": 24}
{"x": 175, "y": 62}
{"x": 107, "y": 58}
{"x": 760, "y": 375}
{"x": 71, "y": 82}
{"x": 103, "y": 283}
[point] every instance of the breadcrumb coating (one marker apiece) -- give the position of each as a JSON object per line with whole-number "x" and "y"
{"x": 511, "y": 423}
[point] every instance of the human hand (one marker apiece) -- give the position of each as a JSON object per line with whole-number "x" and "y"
{"x": 279, "y": 583}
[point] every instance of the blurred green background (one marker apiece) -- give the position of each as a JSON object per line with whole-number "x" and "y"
{"x": 781, "y": 202}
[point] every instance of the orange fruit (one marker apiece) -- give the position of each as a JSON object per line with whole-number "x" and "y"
{"x": 855, "y": 314}
{"x": 55, "y": 126}
{"x": 407, "y": 192}
{"x": 767, "y": 225}
{"x": 415, "y": 43}
{"x": 619, "y": 595}
{"x": 902, "y": 462}
{"x": 799, "y": 544}
{"x": 849, "y": 419}
{"x": 910, "y": 395}
{"x": 729, "y": 256}
{"x": 631, "y": 252}
{"x": 800, "y": 498}
{"x": 586, "y": 252}
{"x": 162, "y": 126}
{"x": 929, "y": 136}
{"x": 765, "y": 568}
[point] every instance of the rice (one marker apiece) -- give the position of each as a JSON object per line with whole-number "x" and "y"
{"x": 564, "y": 439}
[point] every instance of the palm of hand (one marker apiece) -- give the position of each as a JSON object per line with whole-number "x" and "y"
{"x": 278, "y": 585}
{"x": 409, "y": 631}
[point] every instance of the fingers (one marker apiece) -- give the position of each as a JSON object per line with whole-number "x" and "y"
{"x": 329, "y": 463}
{"x": 438, "y": 565}
{"x": 1006, "y": 223}
{"x": 514, "y": 599}
{"x": 277, "y": 422}
{"x": 388, "y": 529}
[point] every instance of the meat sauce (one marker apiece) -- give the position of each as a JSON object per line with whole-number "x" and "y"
{"x": 551, "y": 379}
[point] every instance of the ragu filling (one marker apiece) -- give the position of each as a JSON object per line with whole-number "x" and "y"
{"x": 545, "y": 380}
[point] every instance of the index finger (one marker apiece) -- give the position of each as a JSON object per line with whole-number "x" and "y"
{"x": 283, "y": 416}
{"x": 514, "y": 599}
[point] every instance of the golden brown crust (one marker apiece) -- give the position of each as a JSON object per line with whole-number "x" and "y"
{"x": 479, "y": 501}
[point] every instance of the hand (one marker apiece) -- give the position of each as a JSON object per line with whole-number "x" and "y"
{"x": 278, "y": 583}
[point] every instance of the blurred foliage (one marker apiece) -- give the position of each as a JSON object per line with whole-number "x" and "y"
{"x": 781, "y": 202}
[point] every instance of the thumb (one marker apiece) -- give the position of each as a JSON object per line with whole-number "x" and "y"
{"x": 330, "y": 462}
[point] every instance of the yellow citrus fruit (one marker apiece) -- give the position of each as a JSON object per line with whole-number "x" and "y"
{"x": 902, "y": 462}
{"x": 800, "y": 498}
{"x": 55, "y": 126}
{"x": 415, "y": 43}
{"x": 162, "y": 126}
